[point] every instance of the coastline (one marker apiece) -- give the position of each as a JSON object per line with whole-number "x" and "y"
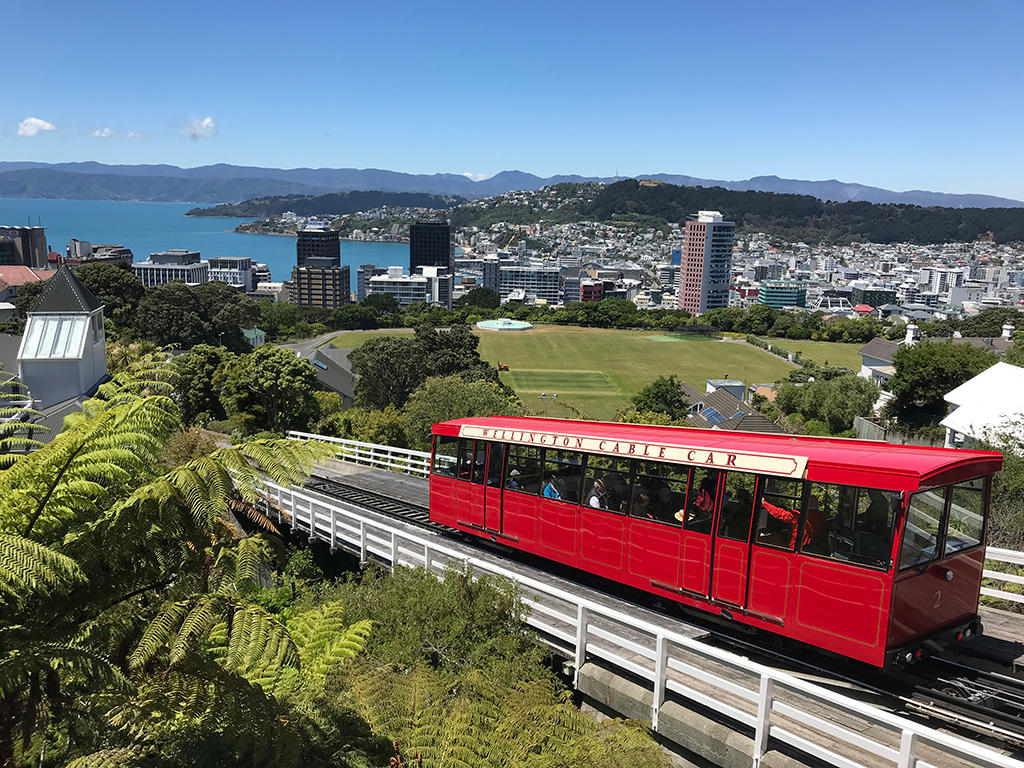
{"x": 342, "y": 239}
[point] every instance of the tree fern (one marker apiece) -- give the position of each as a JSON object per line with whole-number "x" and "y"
{"x": 16, "y": 416}
{"x": 121, "y": 757}
{"x": 28, "y": 567}
{"x": 325, "y": 642}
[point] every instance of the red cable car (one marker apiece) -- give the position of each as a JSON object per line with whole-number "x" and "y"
{"x": 868, "y": 550}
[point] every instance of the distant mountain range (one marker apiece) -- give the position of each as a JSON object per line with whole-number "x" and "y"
{"x": 232, "y": 183}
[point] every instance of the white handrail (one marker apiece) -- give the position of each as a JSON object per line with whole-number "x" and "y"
{"x": 367, "y": 534}
{"x": 383, "y": 456}
{"x": 1006, "y": 557}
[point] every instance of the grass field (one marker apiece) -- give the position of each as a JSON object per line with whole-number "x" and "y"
{"x": 825, "y": 352}
{"x": 597, "y": 370}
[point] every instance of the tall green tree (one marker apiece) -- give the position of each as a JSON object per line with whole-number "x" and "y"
{"x": 662, "y": 395}
{"x": 227, "y": 311}
{"x": 484, "y": 298}
{"x": 381, "y": 303}
{"x": 452, "y": 397}
{"x": 117, "y": 288}
{"x": 926, "y": 371}
{"x": 389, "y": 368}
{"x": 201, "y": 374}
{"x": 171, "y": 315}
{"x": 270, "y": 389}
{"x": 1015, "y": 354}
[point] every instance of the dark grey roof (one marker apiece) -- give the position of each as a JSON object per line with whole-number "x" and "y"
{"x": 332, "y": 368}
{"x": 880, "y": 349}
{"x": 996, "y": 343}
{"x": 722, "y": 410}
{"x": 9, "y": 346}
{"x": 66, "y": 293}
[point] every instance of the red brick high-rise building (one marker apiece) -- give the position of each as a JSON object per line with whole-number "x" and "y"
{"x": 706, "y": 263}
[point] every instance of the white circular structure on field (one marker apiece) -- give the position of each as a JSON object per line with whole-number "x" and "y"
{"x": 503, "y": 324}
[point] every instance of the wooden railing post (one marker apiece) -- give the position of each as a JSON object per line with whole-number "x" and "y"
{"x": 763, "y": 728}
{"x": 908, "y": 750}
{"x": 660, "y": 671}
{"x": 582, "y": 619}
{"x": 362, "y": 542}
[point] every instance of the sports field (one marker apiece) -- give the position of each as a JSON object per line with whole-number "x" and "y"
{"x": 825, "y": 352}
{"x": 598, "y": 370}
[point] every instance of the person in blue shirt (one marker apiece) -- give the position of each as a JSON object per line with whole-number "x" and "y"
{"x": 553, "y": 490}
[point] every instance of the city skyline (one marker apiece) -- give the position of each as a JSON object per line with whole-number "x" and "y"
{"x": 913, "y": 96}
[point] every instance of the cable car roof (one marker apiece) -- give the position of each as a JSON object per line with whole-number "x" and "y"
{"x": 866, "y": 463}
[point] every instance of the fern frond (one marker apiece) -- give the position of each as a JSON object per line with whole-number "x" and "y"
{"x": 157, "y": 633}
{"x": 123, "y": 757}
{"x": 27, "y": 567}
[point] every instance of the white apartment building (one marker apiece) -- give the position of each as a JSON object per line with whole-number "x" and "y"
{"x": 233, "y": 270}
{"x": 542, "y": 283}
{"x": 432, "y": 285}
{"x": 170, "y": 265}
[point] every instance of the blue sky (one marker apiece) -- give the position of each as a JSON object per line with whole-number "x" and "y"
{"x": 902, "y": 95}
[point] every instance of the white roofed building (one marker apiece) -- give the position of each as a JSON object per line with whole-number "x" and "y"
{"x": 987, "y": 408}
{"x": 63, "y": 352}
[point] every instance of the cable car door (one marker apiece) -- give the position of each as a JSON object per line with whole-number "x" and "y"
{"x": 492, "y": 488}
{"x": 730, "y": 562}
{"x": 470, "y": 492}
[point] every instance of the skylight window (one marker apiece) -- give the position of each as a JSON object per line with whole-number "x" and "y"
{"x": 54, "y": 337}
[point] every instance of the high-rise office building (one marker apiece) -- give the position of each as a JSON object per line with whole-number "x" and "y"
{"x": 25, "y": 246}
{"x": 430, "y": 245}
{"x": 706, "y": 262}
{"x": 321, "y": 287}
{"x": 317, "y": 246}
{"x": 363, "y": 274}
{"x": 318, "y": 279}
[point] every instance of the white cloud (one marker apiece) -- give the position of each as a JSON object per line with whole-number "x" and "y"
{"x": 201, "y": 129}
{"x": 476, "y": 176}
{"x": 112, "y": 133}
{"x": 33, "y": 126}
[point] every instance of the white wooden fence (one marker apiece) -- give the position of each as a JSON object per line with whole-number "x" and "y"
{"x": 774, "y": 704}
{"x": 1004, "y": 557}
{"x": 383, "y": 456}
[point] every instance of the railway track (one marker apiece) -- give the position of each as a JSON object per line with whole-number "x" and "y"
{"x": 980, "y": 702}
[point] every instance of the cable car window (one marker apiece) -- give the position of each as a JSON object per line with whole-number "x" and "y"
{"x": 700, "y": 500}
{"x": 921, "y": 533}
{"x": 966, "y": 515}
{"x": 607, "y": 484}
{"x": 563, "y": 474}
{"x": 494, "y": 465}
{"x": 737, "y": 506}
{"x": 778, "y": 512}
{"x": 465, "y": 459}
{"x": 523, "y": 469}
{"x": 823, "y": 508}
{"x": 446, "y": 455}
{"x": 850, "y": 524}
{"x": 868, "y": 541}
{"x": 659, "y": 492}
{"x": 479, "y": 457}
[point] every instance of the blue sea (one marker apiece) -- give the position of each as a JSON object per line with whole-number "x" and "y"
{"x": 149, "y": 227}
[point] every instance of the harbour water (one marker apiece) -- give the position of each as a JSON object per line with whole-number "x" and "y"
{"x": 149, "y": 227}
